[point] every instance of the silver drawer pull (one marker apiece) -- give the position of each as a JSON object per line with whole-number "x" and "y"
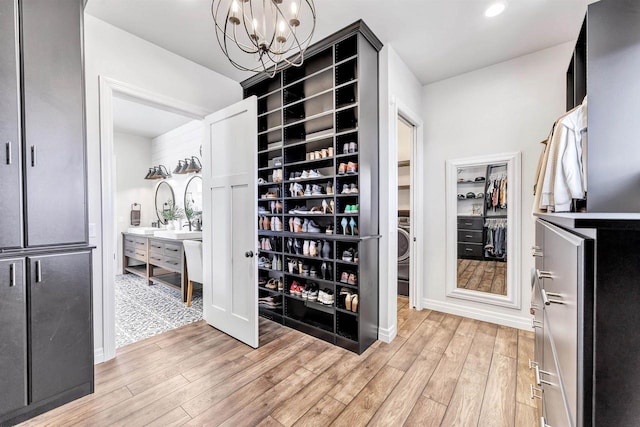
{"x": 536, "y": 252}
{"x": 174, "y": 250}
{"x": 548, "y": 301}
{"x": 533, "y": 390}
{"x": 468, "y": 249}
{"x": 543, "y": 422}
{"x": 532, "y": 364}
{"x": 535, "y": 324}
{"x": 539, "y": 380}
{"x": 12, "y": 274}
{"x": 9, "y": 155}
{"x": 468, "y": 223}
{"x": 544, "y": 274}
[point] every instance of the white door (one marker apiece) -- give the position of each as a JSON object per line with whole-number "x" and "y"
{"x": 230, "y": 234}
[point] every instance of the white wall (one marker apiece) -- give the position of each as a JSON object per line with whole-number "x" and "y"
{"x": 397, "y": 84}
{"x": 507, "y": 107}
{"x": 116, "y": 54}
{"x": 132, "y": 160}
{"x": 175, "y": 145}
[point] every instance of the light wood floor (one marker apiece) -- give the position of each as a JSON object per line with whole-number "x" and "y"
{"x": 441, "y": 370}
{"x": 483, "y": 276}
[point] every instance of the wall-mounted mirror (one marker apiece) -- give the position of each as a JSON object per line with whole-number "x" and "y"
{"x": 164, "y": 199}
{"x": 483, "y": 229}
{"x": 193, "y": 202}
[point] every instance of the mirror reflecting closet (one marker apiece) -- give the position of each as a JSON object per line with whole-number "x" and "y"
{"x": 483, "y": 198}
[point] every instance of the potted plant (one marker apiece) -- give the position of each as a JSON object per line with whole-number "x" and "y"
{"x": 171, "y": 213}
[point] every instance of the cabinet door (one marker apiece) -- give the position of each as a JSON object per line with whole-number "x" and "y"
{"x": 61, "y": 340}
{"x": 13, "y": 336}
{"x": 53, "y": 122}
{"x": 10, "y": 158}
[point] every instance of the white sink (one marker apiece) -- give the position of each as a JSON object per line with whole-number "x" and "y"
{"x": 178, "y": 234}
{"x": 147, "y": 231}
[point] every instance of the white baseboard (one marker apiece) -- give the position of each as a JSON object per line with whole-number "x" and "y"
{"x": 98, "y": 355}
{"x": 388, "y": 334}
{"x": 517, "y": 322}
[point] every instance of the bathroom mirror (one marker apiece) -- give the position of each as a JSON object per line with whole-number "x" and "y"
{"x": 483, "y": 229}
{"x": 193, "y": 198}
{"x": 164, "y": 198}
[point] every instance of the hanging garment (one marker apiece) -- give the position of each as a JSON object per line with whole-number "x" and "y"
{"x": 564, "y": 176}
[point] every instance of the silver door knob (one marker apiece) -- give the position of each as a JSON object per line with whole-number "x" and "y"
{"x": 249, "y": 254}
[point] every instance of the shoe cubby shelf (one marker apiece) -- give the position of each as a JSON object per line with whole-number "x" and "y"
{"x": 321, "y": 118}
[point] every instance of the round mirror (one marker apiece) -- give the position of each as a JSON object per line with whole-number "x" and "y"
{"x": 193, "y": 198}
{"x": 164, "y": 199}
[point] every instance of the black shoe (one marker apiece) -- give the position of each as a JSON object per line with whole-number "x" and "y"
{"x": 297, "y": 246}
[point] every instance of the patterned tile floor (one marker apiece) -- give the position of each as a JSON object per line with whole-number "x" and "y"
{"x": 143, "y": 311}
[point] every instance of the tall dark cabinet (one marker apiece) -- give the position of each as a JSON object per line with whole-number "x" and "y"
{"x": 46, "y": 328}
{"x": 315, "y": 122}
{"x": 605, "y": 65}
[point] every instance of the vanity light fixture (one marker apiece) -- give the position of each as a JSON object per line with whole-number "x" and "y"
{"x": 260, "y": 35}
{"x": 188, "y": 165}
{"x": 158, "y": 172}
{"x": 179, "y": 167}
{"x": 495, "y": 10}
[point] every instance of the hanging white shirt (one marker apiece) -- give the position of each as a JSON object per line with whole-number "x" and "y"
{"x": 564, "y": 178}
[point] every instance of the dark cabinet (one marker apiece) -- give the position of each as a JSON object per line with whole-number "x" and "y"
{"x": 13, "y": 339}
{"x": 61, "y": 332}
{"x": 10, "y": 156}
{"x": 53, "y": 122}
{"x": 46, "y": 331}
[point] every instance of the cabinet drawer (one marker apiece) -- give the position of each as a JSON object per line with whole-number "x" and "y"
{"x": 553, "y": 405}
{"x": 129, "y": 241}
{"x": 470, "y": 223}
{"x": 470, "y": 236}
{"x": 156, "y": 247}
{"x": 140, "y": 255}
{"x": 130, "y": 252}
{"x": 563, "y": 258}
{"x": 469, "y": 250}
{"x": 155, "y": 259}
{"x": 172, "y": 263}
{"x": 173, "y": 249}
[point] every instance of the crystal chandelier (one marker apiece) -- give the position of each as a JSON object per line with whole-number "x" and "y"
{"x": 264, "y": 35}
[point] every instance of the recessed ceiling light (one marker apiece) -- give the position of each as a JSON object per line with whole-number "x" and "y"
{"x": 494, "y": 10}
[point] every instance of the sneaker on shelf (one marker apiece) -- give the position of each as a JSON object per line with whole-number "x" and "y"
{"x": 321, "y": 296}
{"x": 329, "y": 230}
{"x": 305, "y": 269}
{"x": 354, "y": 208}
{"x": 346, "y": 189}
{"x": 304, "y": 293}
{"x": 302, "y": 210}
{"x": 342, "y": 169}
{"x": 313, "y": 295}
{"x": 316, "y": 190}
{"x": 347, "y": 255}
{"x": 353, "y": 189}
{"x": 262, "y": 260}
{"x": 347, "y": 209}
{"x": 262, "y": 181}
{"x": 329, "y": 298}
{"x": 307, "y": 190}
{"x": 353, "y": 147}
{"x": 330, "y": 152}
{"x": 314, "y": 174}
{"x": 344, "y": 278}
{"x": 345, "y": 148}
{"x": 295, "y": 288}
{"x": 262, "y": 210}
{"x": 305, "y": 226}
{"x": 313, "y": 272}
{"x": 304, "y": 175}
{"x": 312, "y": 227}
{"x": 352, "y": 167}
{"x": 292, "y": 176}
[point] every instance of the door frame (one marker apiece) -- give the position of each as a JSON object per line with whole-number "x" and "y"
{"x": 110, "y": 88}
{"x": 389, "y": 286}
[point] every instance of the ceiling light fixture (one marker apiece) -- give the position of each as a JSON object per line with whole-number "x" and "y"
{"x": 264, "y": 35}
{"x": 495, "y": 10}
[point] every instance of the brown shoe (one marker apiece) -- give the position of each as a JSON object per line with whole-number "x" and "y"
{"x": 352, "y": 167}
{"x": 342, "y": 169}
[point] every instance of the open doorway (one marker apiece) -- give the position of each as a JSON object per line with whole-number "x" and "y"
{"x": 135, "y": 136}
{"x": 157, "y": 185}
{"x": 405, "y": 153}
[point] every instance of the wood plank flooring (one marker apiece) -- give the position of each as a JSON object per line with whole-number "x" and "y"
{"x": 441, "y": 370}
{"x": 483, "y": 276}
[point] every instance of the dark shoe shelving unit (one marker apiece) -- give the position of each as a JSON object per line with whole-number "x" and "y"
{"x": 330, "y": 101}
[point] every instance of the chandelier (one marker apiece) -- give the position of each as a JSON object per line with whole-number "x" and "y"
{"x": 264, "y": 35}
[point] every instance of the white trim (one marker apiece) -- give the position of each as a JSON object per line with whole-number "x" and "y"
{"x": 512, "y": 299}
{"x": 110, "y": 88}
{"x": 98, "y": 355}
{"x": 388, "y": 334}
{"x": 485, "y": 315}
{"x": 388, "y": 228}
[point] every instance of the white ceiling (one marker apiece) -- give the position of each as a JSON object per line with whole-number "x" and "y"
{"x": 435, "y": 38}
{"x": 142, "y": 120}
